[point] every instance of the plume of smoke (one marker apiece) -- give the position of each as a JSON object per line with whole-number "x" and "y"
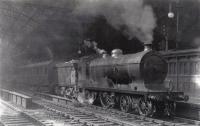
{"x": 93, "y": 45}
{"x": 131, "y": 16}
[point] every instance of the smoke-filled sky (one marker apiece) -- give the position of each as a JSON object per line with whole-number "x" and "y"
{"x": 132, "y": 17}
{"x": 37, "y": 30}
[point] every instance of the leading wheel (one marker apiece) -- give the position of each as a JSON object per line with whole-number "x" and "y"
{"x": 146, "y": 108}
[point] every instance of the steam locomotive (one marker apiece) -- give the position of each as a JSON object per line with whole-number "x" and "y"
{"x": 134, "y": 82}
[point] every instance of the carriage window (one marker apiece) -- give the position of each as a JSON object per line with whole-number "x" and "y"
{"x": 31, "y": 71}
{"x": 185, "y": 68}
{"x": 45, "y": 70}
{"x": 190, "y": 68}
{"x": 181, "y": 68}
{"x": 198, "y": 68}
{"x": 42, "y": 70}
{"x": 38, "y": 70}
{"x": 175, "y": 68}
{"x": 194, "y": 68}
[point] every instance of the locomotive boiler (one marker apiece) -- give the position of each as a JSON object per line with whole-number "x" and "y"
{"x": 143, "y": 71}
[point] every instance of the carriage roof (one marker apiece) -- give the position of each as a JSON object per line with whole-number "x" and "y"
{"x": 36, "y": 64}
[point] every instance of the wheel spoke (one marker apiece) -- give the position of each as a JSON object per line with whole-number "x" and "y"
{"x": 146, "y": 108}
{"x": 125, "y": 103}
{"x": 106, "y": 100}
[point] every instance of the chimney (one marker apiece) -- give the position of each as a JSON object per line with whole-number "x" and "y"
{"x": 147, "y": 47}
{"x": 116, "y": 53}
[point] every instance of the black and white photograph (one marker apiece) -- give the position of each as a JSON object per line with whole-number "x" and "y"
{"x": 99, "y": 62}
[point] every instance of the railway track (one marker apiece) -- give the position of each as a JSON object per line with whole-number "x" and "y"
{"x": 57, "y": 114}
{"x": 47, "y": 118}
{"x": 14, "y": 117}
{"x": 15, "y": 120}
{"x": 144, "y": 120}
{"x": 98, "y": 116}
{"x": 77, "y": 116}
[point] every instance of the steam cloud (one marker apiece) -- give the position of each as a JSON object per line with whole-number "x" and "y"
{"x": 130, "y": 16}
{"x": 93, "y": 45}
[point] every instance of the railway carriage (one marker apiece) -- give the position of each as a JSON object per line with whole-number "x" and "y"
{"x": 36, "y": 76}
{"x": 184, "y": 71}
